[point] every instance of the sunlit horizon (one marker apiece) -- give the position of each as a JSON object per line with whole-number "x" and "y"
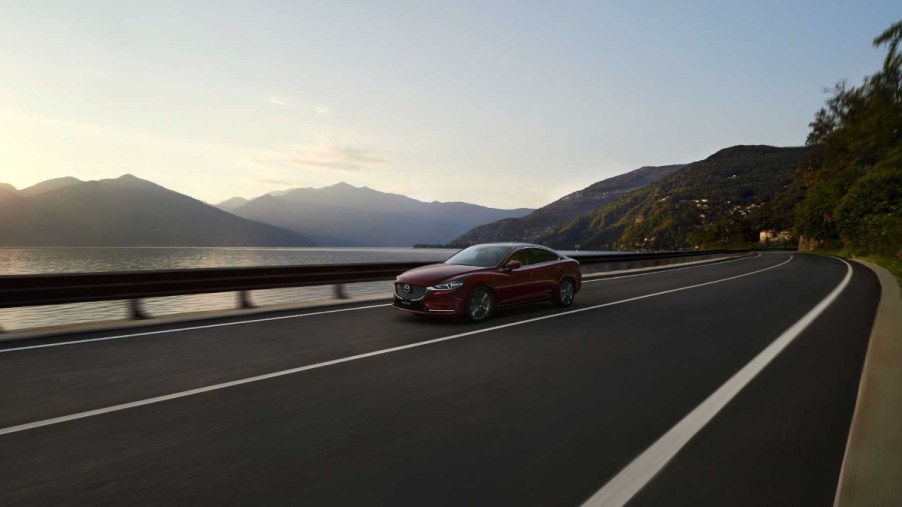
{"x": 503, "y": 105}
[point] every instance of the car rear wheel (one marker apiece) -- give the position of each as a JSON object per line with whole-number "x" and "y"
{"x": 565, "y": 292}
{"x": 480, "y": 304}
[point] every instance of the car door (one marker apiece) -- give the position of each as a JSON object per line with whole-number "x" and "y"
{"x": 546, "y": 272}
{"x": 517, "y": 284}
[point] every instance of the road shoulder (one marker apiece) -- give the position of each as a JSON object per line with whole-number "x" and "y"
{"x": 873, "y": 460}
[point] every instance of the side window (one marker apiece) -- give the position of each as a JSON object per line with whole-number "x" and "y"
{"x": 539, "y": 255}
{"x": 521, "y": 255}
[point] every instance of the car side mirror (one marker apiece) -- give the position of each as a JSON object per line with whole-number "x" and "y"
{"x": 512, "y": 265}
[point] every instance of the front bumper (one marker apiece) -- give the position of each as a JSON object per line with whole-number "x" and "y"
{"x": 434, "y": 303}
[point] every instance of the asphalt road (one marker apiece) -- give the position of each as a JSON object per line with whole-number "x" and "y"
{"x": 538, "y": 406}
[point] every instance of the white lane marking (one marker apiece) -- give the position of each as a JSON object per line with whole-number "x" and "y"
{"x": 190, "y": 328}
{"x": 619, "y": 490}
{"x": 266, "y": 319}
{"x": 662, "y": 270}
{"x": 233, "y": 383}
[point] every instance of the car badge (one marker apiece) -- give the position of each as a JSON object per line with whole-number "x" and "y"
{"x": 406, "y": 288}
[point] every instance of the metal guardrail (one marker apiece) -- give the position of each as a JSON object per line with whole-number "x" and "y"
{"x": 50, "y": 289}
{"x": 639, "y": 257}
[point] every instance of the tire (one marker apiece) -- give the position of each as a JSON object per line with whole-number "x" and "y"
{"x": 480, "y": 304}
{"x": 566, "y": 290}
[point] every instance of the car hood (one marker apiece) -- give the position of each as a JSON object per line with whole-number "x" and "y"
{"x": 434, "y": 273}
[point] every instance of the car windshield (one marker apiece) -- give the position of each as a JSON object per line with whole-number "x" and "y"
{"x": 484, "y": 256}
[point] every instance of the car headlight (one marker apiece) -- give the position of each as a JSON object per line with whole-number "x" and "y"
{"x": 446, "y": 286}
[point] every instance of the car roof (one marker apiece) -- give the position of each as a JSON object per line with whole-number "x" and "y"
{"x": 514, "y": 245}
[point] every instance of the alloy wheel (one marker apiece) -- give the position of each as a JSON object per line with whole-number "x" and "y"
{"x": 479, "y": 304}
{"x": 566, "y": 290}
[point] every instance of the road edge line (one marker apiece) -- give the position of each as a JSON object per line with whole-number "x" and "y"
{"x": 189, "y": 328}
{"x": 875, "y": 435}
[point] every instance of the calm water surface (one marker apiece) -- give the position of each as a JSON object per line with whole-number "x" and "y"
{"x": 18, "y": 261}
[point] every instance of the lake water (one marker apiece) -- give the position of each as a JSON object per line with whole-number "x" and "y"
{"x": 18, "y": 261}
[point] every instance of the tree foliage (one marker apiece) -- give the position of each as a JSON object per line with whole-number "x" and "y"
{"x": 853, "y": 178}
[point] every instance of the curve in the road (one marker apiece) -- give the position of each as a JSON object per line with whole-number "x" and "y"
{"x": 545, "y": 407}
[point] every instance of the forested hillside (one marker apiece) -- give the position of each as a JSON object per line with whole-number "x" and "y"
{"x": 551, "y": 216}
{"x": 724, "y": 200}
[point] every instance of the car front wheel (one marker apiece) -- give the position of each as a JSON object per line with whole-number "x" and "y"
{"x": 565, "y": 292}
{"x": 480, "y": 304}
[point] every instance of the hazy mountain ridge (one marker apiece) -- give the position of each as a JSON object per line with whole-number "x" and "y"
{"x": 545, "y": 219}
{"x": 6, "y": 190}
{"x": 345, "y": 215}
{"x": 48, "y": 185}
{"x": 722, "y": 200}
{"x": 126, "y": 211}
{"x": 232, "y": 204}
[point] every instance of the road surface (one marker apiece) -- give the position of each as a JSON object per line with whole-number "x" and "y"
{"x": 365, "y": 405}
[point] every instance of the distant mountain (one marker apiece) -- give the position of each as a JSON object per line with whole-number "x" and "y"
{"x": 345, "y": 215}
{"x": 126, "y": 211}
{"x": 545, "y": 219}
{"x": 7, "y": 190}
{"x": 53, "y": 184}
{"x": 722, "y": 200}
{"x": 232, "y": 204}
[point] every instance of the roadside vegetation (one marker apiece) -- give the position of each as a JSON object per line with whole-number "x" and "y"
{"x": 892, "y": 264}
{"x": 852, "y": 205}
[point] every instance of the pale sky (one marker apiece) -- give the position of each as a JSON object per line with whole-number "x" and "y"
{"x": 505, "y": 104}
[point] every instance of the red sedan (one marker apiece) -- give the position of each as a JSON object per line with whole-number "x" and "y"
{"x": 481, "y": 278}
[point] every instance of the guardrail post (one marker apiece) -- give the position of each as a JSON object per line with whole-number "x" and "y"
{"x": 338, "y": 291}
{"x": 244, "y": 299}
{"x": 134, "y": 309}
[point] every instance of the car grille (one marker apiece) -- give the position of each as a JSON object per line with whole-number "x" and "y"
{"x": 414, "y": 292}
